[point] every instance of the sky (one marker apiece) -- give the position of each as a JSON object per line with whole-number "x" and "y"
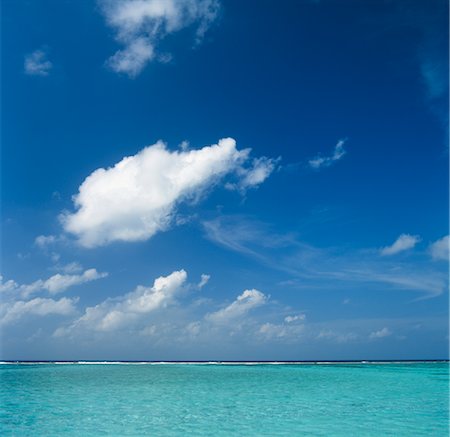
{"x": 223, "y": 180}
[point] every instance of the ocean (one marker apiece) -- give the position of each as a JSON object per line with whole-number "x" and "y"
{"x": 247, "y": 399}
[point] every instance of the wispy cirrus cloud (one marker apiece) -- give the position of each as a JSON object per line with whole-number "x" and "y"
{"x": 318, "y": 267}
{"x": 37, "y": 64}
{"x": 325, "y": 161}
{"x": 242, "y": 234}
{"x": 402, "y": 243}
{"x": 140, "y": 26}
{"x": 138, "y": 196}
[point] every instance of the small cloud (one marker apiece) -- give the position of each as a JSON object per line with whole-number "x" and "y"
{"x": 44, "y": 241}
{"x": 193, "y": 328}
{"x": 73, "y": 267}
{"x": 245, "y": 302}
{"x": 55, "y": 284}
{"x": 149, "y": 331}
{"x": 133, "y": 58}
{"x": 140, "y": 26}
{"x": 435, "y": 77}
{"x": 439, "y": 250}
{"x": 339, "y": 337}
{"x": 288, "y": 331}
{"x": 273, "y": 331}
{"x": 55, "y": 257}
{"x": 203, "y": 281}
{"x": 385, "y": 332}
{"x": 255, "y": 175}
{"x": 404, "y": 242}
{"x": 59, "y": 283}
{"x": 297, "y": 318}
{"x": 37, "y": 64}
{"x": 346, "y": 301}
{"x": 47, "y": 242}
{"x": 165, "y": 58}
{"x": 326, "y": 161}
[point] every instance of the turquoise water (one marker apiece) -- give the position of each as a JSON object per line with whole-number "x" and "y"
{"x": 224, "y": 400}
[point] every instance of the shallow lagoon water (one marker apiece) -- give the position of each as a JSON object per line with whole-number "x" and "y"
{"x": 366, "y": 399}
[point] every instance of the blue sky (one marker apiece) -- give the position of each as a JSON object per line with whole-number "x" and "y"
{"x": 210, "y": 179}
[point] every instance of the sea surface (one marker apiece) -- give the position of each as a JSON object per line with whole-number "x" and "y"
{"x": 107, "y": 399}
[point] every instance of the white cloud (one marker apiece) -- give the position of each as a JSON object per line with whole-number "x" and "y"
{"x": 116, "y": 313}
{"x": 439, "y": 250}
{"x": 339, "y": 337}
{"x": 291, "y": 330}
{"x": 138, "y": 196}
{"x": 272, "y": 331}
{"x": 73, "y": 267}
{"x": 132, "y": 59}
{"x": 8, "y": 286}
{"x": 260, "y": 170}
{"x": 58, "y": 283}
{"x": 43, "y": 241}
{"x": 12, "y": 311}
{"x": 203, "y": 280}
{"x": 55, "y": 284}
{"x": 140, "y": 25}
{"x": 385, "y": 332}
{"x": 193, "y": 328}
{"x": 404, "y": 242}
{"x": 297, "y": 318}
{"x": 37, "y": 64}
{"x": 245, "y": 302}
{"x": 326, "y": 161}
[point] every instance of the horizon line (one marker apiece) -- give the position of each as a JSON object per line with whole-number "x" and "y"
{"x": 236, "y": 362}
